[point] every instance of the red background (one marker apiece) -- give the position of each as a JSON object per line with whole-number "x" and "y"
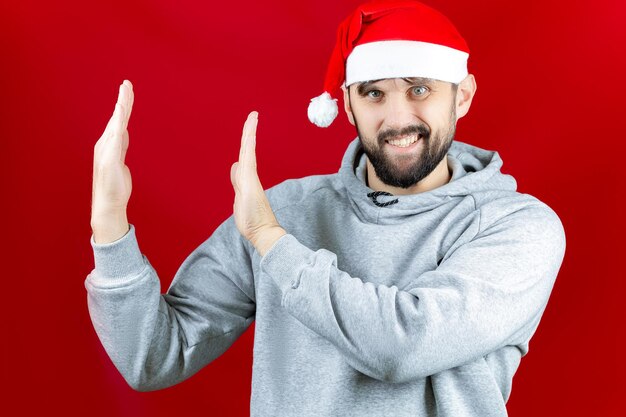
{"x": 550, "y": 100}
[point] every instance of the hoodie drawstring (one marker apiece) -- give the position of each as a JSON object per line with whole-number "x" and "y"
{"x": 375, "y": 194}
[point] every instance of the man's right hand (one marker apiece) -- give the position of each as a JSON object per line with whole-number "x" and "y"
{"x": 111, "y": 177}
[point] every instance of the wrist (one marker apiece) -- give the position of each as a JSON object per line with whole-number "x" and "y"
{"x": 267, "y": 238}
{"x": 109, "y": 227}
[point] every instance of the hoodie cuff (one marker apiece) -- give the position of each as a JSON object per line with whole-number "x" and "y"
{"x": 119, "y": 259}
{"x": 285, "y": 261}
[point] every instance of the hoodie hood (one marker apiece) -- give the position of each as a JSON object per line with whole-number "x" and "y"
{"x": 474, "y": 170}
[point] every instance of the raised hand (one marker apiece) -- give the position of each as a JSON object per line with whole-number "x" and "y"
{"x": 253, "y": 215}
{"x": 112, "y": 183}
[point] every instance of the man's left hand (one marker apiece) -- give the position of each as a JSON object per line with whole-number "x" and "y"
{"x": 253, "y": 215}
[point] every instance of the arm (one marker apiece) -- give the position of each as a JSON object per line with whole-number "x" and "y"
{"x": 487, "y": 294}
{"x": 156, "y": 340}
{"x": 484, "y": 295}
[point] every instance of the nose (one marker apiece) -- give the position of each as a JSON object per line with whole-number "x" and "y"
{"x": 400, "y": 112}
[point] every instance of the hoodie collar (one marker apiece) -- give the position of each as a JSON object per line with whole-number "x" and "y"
{"x": 473, "y": 169}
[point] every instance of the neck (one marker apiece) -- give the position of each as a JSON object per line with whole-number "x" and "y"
{"x": 441, "y": 175}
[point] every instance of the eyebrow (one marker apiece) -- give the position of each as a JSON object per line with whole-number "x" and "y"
{"x": 361, "y": 87}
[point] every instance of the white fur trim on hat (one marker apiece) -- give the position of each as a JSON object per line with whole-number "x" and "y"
{"x": 398, "y": 59}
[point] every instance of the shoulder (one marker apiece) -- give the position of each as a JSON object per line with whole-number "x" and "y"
{"x": 524, "y": 217}
{"x": 294, "y": 191}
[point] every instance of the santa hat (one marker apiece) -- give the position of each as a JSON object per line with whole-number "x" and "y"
{"x": 390, "y": 39}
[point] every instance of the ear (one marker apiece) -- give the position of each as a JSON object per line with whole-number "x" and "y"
{"x": 464, "y": 95}
{"x": 346, "y": 104}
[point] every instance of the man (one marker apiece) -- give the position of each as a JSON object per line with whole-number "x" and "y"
{"x": 407, "y": 284}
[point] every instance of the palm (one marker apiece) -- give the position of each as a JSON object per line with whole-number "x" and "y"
{"x": 112, "y": 183}
{"x": 251, "y": 209}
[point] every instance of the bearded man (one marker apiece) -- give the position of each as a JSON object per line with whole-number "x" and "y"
{"x": 409, "y": 283}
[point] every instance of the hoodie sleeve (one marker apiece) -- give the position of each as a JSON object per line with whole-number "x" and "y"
{"x": 489, "y": 293}
{"x": 157, "y": 340}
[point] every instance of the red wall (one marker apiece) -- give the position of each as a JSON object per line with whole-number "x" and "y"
{"x": 550, "y": 99}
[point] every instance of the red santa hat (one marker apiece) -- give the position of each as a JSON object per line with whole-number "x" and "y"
{"x": 390, "y": 39}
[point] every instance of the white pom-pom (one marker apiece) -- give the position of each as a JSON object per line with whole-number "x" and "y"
{"x": 322, "y": 110}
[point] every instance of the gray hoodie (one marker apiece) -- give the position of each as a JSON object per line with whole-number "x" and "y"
{"x": 423, "y": 307}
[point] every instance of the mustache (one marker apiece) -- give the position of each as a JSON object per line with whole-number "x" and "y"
{"x": 420, "y": 129}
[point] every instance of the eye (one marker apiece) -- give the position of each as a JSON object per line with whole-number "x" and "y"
{"x": 375, "y": 94}
{"x": 419, "y": 90}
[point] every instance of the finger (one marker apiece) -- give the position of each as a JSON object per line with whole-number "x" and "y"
{"x": 128, "y": 84}
{"x": 111, "y": 148}
{"x": 124, "y": 145}
{"x": 108, "y": 130}
{"x": 124, "y": 100}
{"x": 249, "y": 128}
{"x": 247, "y": 158}
{"x": 233, "y": 176}
{"x": 118, "y": 124}
{"x": 130, "y": 99}
{"x": 120, "y": 120}
{"x": 111, "y": 134}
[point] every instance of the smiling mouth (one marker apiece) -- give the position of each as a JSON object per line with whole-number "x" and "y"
{"x": 405, "y": 141}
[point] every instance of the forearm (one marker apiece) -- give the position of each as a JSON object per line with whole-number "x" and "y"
{"x": 125, "y": 318}
{"x": 395, "y": 335}
{"x": 126, "y": 309}
{"x": 157, "y": 340}
{"x": 135, "y": 324}
{"x": 142, "y": 337}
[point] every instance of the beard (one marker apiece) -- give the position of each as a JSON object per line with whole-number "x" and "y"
{"x": 404, "y": 175}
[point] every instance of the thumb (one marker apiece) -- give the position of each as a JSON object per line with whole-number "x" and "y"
{"x": 233, "y": 175}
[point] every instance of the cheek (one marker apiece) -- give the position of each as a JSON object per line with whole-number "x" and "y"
{"x": 368, "y": 120}
{"x": 436, "y": 119}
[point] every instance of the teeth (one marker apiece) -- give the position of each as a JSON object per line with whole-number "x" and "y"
{"x": 404, "y": 142}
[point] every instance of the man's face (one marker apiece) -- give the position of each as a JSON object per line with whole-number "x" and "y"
{"x": 406, "y": 126}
